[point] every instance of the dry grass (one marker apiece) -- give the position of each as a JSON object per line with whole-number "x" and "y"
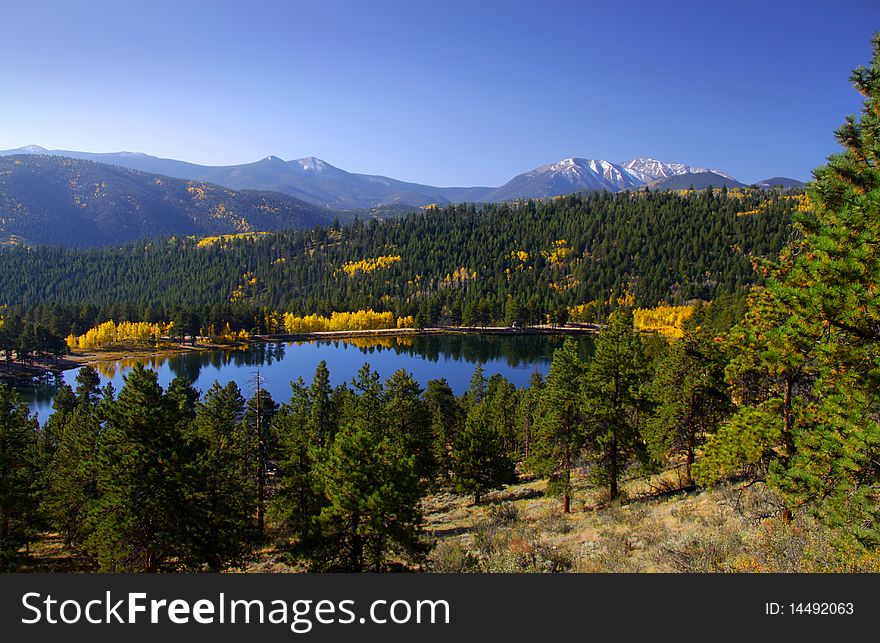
{"x": 733, "y": 528}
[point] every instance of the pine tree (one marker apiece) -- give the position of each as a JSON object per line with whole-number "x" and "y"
{"x": 528, "y": 405}
{"x": 259, "y": 413}
{"x": 88, "y": 384}
{"x": 371, "y": 490}
{"x": 298, "y": 498}
{"x": 558, "y": 422}
{"x": 480, "y": 461}
{"x": 73, "y": 474}
{"x": 614, "y": 401}
{"x": 222, "y": 492}
{"x": 445, "y": 415}
{"x": 690, "y": 397}
{"x": 322, "y": 417}
{"x": 772, "y": 362}
{"x": 477, "y": 389}
{"x": 814, "y": 343}
{"x": 137, "y": 522}
{"x": 832, "y": 285}
{"x": 502, "y": 401}
{"x": 407, "y": 421}
{"x": 372, "y": 511}
{"x": 19, "y": 478}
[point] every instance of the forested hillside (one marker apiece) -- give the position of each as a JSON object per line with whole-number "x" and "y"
{"x": 56, "y": 200}
{"x": 462, "y": 264}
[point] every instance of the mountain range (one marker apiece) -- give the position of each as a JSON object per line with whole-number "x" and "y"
{"x": 315, "y": 181}
{"x": 58, "y": 200}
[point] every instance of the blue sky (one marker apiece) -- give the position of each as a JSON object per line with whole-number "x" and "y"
{"x": 448, "y": 93}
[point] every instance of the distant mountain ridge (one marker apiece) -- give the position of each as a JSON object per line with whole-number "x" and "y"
{"x": 696, "y": 181}
{"x": 315, "y": 181}
{"x": 58, "y": 200}
{"x": 780, "y": 182}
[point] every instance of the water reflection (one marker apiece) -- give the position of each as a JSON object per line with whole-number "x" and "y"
{"x": 450, "y": 356}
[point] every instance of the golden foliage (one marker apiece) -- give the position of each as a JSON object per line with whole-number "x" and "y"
{"x": 666, "y": 320}
{"x": 459, "y": 276}
{"x": 109, "y": 334}
{"x": 197, "y": 190}
{"x": 358, "y": 320}
{"x": 566, "y": 283}
{"x": 351, "y": 268}
{"x": 222, "y": 239}
{"x": 559, "y": 252}
{"x": 584, "y": 312}
{"x": 380, "y": 342}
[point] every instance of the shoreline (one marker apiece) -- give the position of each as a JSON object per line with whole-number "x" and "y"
{"x": 25, "y": 373}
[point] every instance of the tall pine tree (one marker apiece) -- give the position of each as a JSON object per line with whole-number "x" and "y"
{"x": 615, "y": 402}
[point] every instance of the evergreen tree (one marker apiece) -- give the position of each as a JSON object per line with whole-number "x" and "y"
{"x": 73, "y": 477}
{"x": 690, "y": 398}
{"x": 445, "y": 415}
{"x": 88, "y": 386}
{"x": 502, "y": 401}
{"x": 137, "y": 522}
{"x": 528, "y": 404}
{"x": 222, "y": 494}
{"x": 480, "y": 461}
{"x": 372, "y": 491}
{"x": 614, "y": 402}
{"x": 558, "y": 422}
{"x": 820, "y": 343}
{"x": 371, "y": 488}
{"x": 407, "y": 421}
{"x": 73, "y": 474}
{"x": 477, "y": 389}
{"x": 322, "y": 417}
{"x": 259, "y": 413}
{"x": 19, "y": 478}
{"x": 298, "y": 498}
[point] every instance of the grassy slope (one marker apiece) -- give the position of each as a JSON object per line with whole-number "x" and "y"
{"x": 734, "y": 528}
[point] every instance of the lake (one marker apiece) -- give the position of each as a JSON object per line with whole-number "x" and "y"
{"x": 449, "y": 356}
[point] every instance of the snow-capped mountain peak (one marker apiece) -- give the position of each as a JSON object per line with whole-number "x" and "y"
{"x": 31, "y": 149}
{"x": 313, "y": 165}
{"x": 566, "y": 176}
{"x": 586, "y": 172}
{"x": 649, "y": 169}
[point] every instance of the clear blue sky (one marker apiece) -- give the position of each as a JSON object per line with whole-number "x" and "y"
{"x": 448, "y": 93}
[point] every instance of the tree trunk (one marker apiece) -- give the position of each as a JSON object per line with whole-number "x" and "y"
{"x": 787, "y": 437}
{"x": 788, "y": 420}
{"x": 612, "y": 468}
{"x": 357, "y": 545}
{"x": 150, "y": 563}
{"x": 691, "y": 440}
{"x": 566, "y": 497}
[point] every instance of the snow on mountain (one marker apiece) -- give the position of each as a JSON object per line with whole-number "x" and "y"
{"x": 566, "y": 176}
{"x": 589, "y": 170}
{"x": 650, "y": 170}
{"x": 312, "y": 164}
{"x": 27, "y": 149}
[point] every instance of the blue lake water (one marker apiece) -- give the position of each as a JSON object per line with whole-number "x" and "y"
{"x": 451, "y": 356}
